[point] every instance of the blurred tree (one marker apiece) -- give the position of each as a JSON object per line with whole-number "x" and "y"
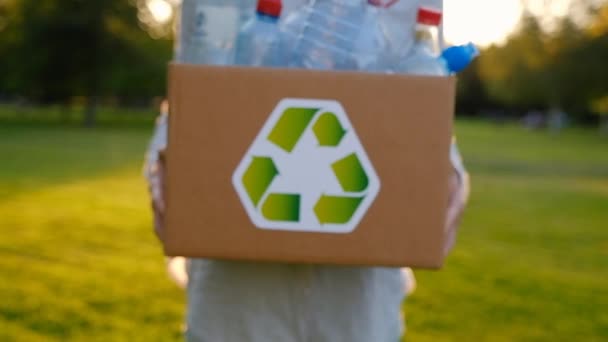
{"x": 581, "y": 63}
{"x": 472, "y": 97}
{"x": 596, "y": 51}
{"x": 52, "y": 51}
{"x": 562, "y": 68}
{"x": 515, "y": 74}
{"x": 58, "y": 49}
{"x": 9, "y": 43}
{"x": 599, "y": 25}
{"x": 567, "y": 76}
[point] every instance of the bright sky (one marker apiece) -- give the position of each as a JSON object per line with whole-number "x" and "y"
{"x": 490, "y": 21}
{"x": 481, "y": 21}
{"x": 161, "y": 10}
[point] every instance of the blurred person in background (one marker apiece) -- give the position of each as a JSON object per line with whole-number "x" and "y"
{"x": 248, "y": 301}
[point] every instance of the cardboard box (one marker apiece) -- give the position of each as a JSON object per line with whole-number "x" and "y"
{"x": 304, "y": 200}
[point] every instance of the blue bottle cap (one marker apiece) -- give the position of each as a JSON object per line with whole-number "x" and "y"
{"x": 459, "y": 57}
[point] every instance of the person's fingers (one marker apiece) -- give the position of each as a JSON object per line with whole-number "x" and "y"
{"x": 157, "y": 194}
{"x": 454, "y": 212}
{"x": 158, "y": 220}
{"x": 453, "y": 218}
{"x": 157, "y": 186}
{"x": 162, "y": 180}
{"x": 157, "y": 190}
{"x": 176, "y": 267}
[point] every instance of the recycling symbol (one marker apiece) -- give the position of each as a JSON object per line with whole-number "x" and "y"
{"x": 306, "y": 171}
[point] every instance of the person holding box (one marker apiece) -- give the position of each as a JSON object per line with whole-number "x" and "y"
{"x": 248, "y": 301}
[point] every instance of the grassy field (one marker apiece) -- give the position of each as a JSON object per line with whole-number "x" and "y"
{"x": 78, "y": 259}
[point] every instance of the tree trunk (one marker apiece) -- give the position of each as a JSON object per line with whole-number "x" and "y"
{"x": 604, "y": 125}
{"x": 90, "y": 111}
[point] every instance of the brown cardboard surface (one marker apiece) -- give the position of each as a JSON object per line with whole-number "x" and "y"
{"x": 403, "y": 122}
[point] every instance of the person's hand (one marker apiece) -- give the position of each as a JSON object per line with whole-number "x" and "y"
{"x": 459, "y": 191}
{"x": 157, "y": 191}
{"x": 176, "y": 266}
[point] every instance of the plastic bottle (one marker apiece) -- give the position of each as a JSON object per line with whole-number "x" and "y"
{"x": 336, "y": 35}
{"x": 398, "y": 22}
{"x": 291, "y": 6}
{"x": 292, "y": 24}
{"x": 457, "y": 58}
{"x": 452, "y": 60}
{"x": 259, "y": 42}
{"x": 372, "y": 50}
{"x": 422, "y": 59}
{"x": 208, "y": 30}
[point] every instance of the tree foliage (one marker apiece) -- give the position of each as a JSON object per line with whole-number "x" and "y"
{"x": 564, "y": 67}
{"x": 53, "y": 50}
{"x": 56, "y": 50}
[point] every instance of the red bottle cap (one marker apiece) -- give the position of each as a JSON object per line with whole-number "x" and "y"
{"x": 429, "y": 16}
{"x": 270, "y": 8}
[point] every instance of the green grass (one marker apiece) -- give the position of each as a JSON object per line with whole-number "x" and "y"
{"x": 532, "y": 258}
{"x": 73, "y": 115}
{"x": 78, "y": 259}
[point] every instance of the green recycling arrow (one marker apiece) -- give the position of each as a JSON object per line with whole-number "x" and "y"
{"x": 290, "y": 127}
{"x": 282, "y": 207}
{"x": 328, "y": 130}
{"x": 258, "y": 177}
{"x": 336, "y": 209}
{"x": 263, "y": 191}
{"x": 350, "y": 174}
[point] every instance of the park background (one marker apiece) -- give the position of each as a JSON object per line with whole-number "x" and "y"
{"x": 80, "y": 85}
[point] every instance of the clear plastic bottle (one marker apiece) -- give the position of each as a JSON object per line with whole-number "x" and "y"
{"x": 336, "y": 35}
{"x": 371, "y": 49}
{"x": 398, "y": 22}
{"x": 291, "y": 6}
{"x": 425, "y": 57}
{"x": 452, "y": 60}
{"x": 260, "y": 42}
{"x": 292, "y": 24}
{"x": 422, "y": 58}
{"x": 208, "y": 30}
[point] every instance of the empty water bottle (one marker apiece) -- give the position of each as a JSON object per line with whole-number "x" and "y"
{"x": 337, "y": 35}
{"x": 422, "y": 58}
{"x": 208, "y": 30}
{"x": 425, "y": 57}
{"x": 291, "y": 26}
{"x": 452, "y": 60}
{"x": 398, "y": 21}
{"x": 260, "y": 42}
